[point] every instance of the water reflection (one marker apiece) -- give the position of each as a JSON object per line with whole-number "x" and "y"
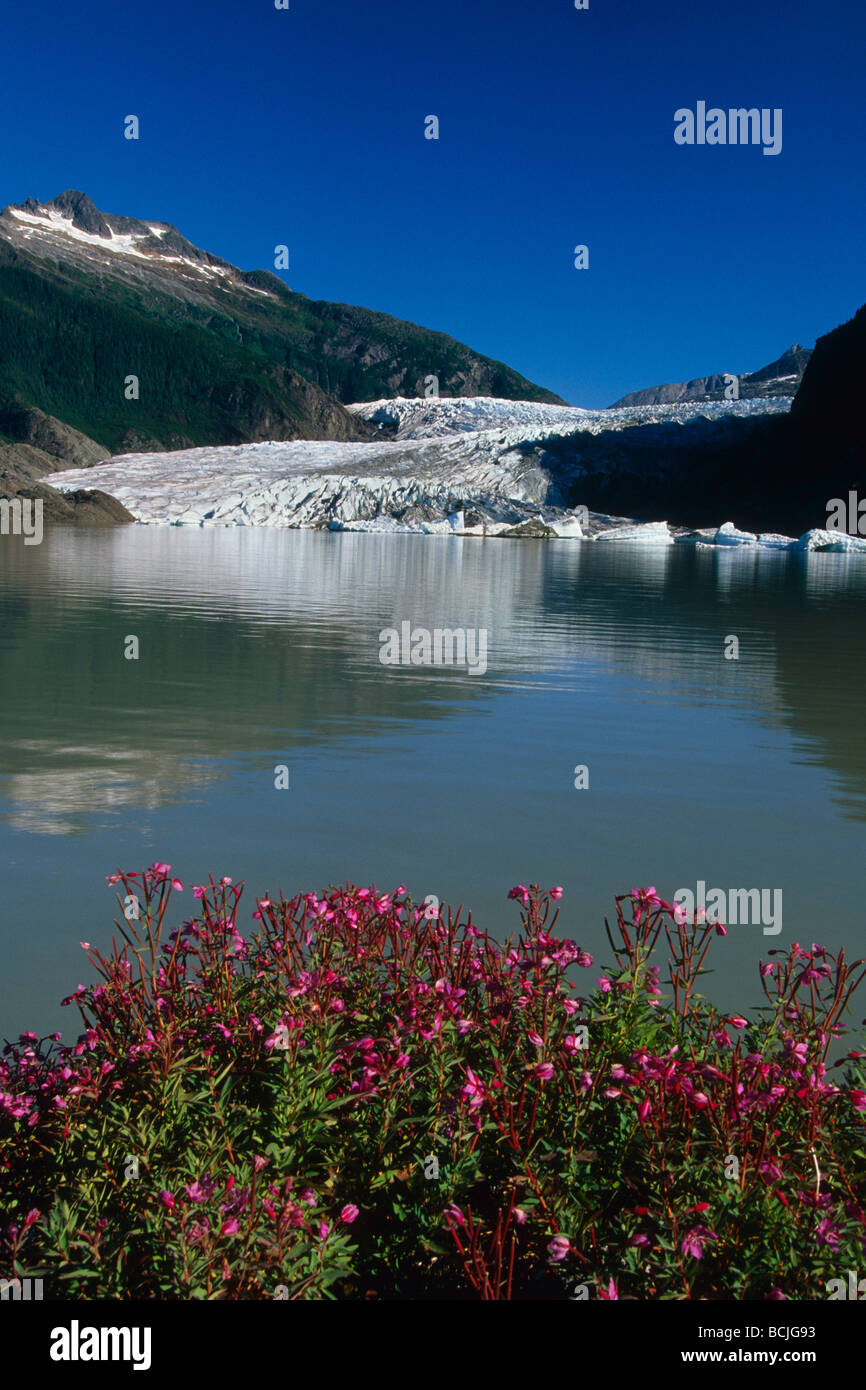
{"x": 251, "y": 639}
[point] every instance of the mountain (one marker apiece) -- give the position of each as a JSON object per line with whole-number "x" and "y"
{"x": 827, "y": 422}
{"x": 829, "y": 398}
{"x": 89, "y": 299}
{"x": 780, "y": 378}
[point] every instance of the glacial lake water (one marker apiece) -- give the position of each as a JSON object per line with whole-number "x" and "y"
{"x": 260, "y": 648}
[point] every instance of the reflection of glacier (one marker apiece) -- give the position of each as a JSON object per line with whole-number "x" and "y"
{"x": 339, "y": 592}
{"x": 264, "y": 641}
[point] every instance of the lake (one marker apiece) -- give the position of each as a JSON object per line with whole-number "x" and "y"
{"x": 260, "y": 649}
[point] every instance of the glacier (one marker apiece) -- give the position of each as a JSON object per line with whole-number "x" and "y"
{"x": 467, "y": 466}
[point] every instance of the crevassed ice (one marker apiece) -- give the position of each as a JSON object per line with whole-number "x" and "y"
{"x": 454, "y": 466}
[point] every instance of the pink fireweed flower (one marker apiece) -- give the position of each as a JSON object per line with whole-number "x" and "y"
{"x": 349, "y": 1213}
{"x": 858, "y": 1099}
{"x": 645, "y": 894}
{"x": 200, "y": 1191}
{"x": 229, "y": 1227}
{"x": 535, "y": 1039}
{"x": 556, "y": 893}
{"x": 544, "y": 1071}
{"x": 737, "y": 1021}
{"x": 570, "y": 1006}
{"x": 827, "y": 1233}
{"x": 167, "y": 1199}
{"x": 770, "y": 1169}
{"x": 694, "y": 1242}
{"x": 324, "y": 1228}
{"x": 558, "y": 1248}
{"x": 604, "y": 984}
{"x": 473, "y": 1090}
{"x": 519, "y": 1216}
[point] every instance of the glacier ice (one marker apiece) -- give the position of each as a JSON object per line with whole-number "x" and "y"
{"x": 470, "y": 466}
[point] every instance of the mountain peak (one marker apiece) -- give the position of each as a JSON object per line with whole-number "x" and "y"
{"x": 73, "y": 222}
{"x": 84, "y": 213}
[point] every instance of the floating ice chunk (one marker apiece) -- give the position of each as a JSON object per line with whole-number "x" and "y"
{"x": 440, "y": 526}
{"x": 769, "y": 540}
{"x": 728, "y": 534}
{"x": 838, "y": 541}
{"x": 568, "y": 529}
{"x": 648, "y": 532}
{"x": 379, "y": 524}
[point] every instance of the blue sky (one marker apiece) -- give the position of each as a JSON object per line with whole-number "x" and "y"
{"x": 306, "y": 127}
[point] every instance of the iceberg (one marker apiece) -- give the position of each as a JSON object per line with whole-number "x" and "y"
{"x": 834, "y": 541}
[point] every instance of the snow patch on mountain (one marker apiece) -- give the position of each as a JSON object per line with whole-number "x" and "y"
{"x": 53, "y": 221}
{"x": 57, "y": 226}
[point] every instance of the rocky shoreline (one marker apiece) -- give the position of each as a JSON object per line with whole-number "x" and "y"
{"x": 34, "y": 446}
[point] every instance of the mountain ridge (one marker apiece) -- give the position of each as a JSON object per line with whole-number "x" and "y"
{"x": 779, "y": 378}
{"x": 258, "y": 360}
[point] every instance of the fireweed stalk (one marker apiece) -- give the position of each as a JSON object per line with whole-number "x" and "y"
{"x": 353, "y": 1098}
